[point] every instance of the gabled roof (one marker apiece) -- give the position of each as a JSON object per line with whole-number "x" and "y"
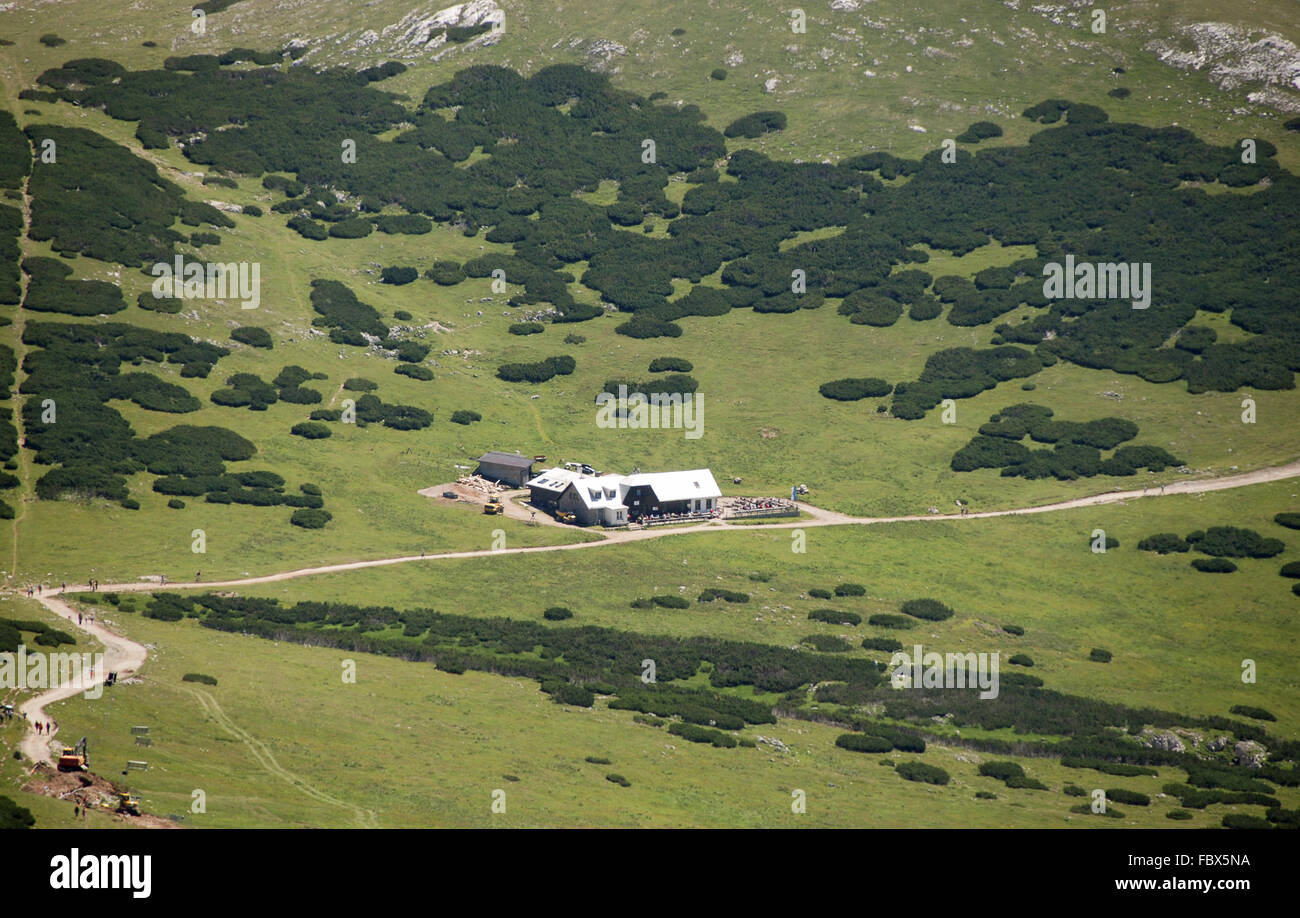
{"x": 510, "y": 460}
{"x": 671, "y": 486}
{"x": 597, "y": 493}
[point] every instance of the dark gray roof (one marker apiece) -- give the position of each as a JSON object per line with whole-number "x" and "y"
{"x": 507, "y": 459}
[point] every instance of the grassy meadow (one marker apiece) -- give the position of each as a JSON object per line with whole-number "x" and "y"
{"x": 282, "y": 741}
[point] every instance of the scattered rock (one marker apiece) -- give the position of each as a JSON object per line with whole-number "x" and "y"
{"x": 1250, "y": 754}
{"x": 1169, "y": 742}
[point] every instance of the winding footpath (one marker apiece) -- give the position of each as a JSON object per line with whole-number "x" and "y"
{"x": 819, "y": 516}
{"x": 126, "y": 657}
{"x": 121, "y": 656}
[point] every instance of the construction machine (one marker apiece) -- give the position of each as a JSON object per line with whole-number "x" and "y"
{"x": 128, "y": 803}
{"x": 565, "y": 517}
{"x": 74, "y": 758}
{"x": 494, "y": 507}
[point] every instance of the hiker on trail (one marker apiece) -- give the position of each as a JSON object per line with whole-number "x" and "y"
{"x": 1162, "y": 489}
{"x": 198, "y": 575}
{"x": 164, "y": 579}
{"x": 62, "y": 587}
{"x": 76, "y": 811}
{"x": 79, "y": 618}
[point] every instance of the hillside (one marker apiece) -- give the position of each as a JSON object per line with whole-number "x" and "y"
{"x": 276, "y": 275}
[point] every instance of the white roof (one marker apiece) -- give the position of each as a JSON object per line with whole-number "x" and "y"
{"x": 669, "y": 486}
{"x": 553, "y": 479}
{"x": 602, "y": 492}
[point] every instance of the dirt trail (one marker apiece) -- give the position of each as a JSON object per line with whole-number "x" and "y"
{"x": 121, "y": 656}
{"x": 258, "y": 750}
{"x": 820, "y": 517}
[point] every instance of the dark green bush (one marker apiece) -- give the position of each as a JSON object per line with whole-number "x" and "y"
{"x": 424, "y": 374}
{"x": 859, "y": 742}
{"x": 886, "y": 645}
{"x": 311, "y": 430}
{"x": 619, "y": 780}
{"x": 576, "y": 695}
{"x": 1097, "y": 655}
{"x": 919, "y": 771}
{"x": 464, "y": 416}
{"x": 1163, "y": 543}
{"x": 13, "y": 816}
{"x": 1245, "y": 710}
{"x": 645, "y": 326}
{"x": 850, "y": 589}
{"x": 445, "y": 273}
{"x": 252, "y": 336}
{"x": 1214, "y": 565}
{"x": 1232, "y": 542}
{"x": 557, "y": 614}
{"x": 835, "y": 617}
{"x": 929, "y": 609}
{"x": 696, "y": 734}
{"x": 199, "y": 677}
{"x": 980, "y": 130}
{"x": 1001, "y": 770}
{"x": 1020, "y": 659}
{"x": 819, "y": 593}
{"x": 1133, "y": 798}
{"x": 755, "y": 125}
{"x": 526, "y": 328}
{"x": 352, "y": 228}
{"x": 671, "y": 364}
{"x": 408, "y": 224}
{"x": 671, "y": 602}
{"x": 1289, "y": 520}
{"x": 537, "y": 372}
{"x": 397, "y": 276}
{"x": 1014, "y": 629}
{"x": 852, "y": 389}
{"x": 310, "y": 518}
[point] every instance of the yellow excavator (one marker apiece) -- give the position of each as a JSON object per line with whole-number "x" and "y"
{"x": 74, "y": 757}
{"x": 494, "y": 507}
{"x": 128, "y": 803}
